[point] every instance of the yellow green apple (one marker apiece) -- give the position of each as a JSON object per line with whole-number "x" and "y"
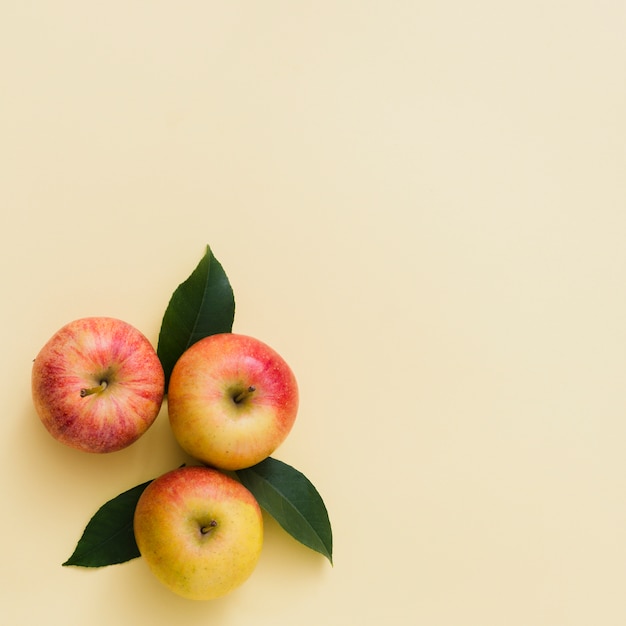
{"x": 200, "y": 532}
{"x": 232, "y": 400}
{"x": 97, "y": 384}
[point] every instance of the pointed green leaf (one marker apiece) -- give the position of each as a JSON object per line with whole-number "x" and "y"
{"x": 202, "y": 305}
{"x": 292, "y": 500}
{"x": 108, "y": 538}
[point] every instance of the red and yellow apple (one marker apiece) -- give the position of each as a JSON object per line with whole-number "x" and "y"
{"x": 232, "y": 400}
{"x": 97, "y": 384}
{"x": 200, "y": 532}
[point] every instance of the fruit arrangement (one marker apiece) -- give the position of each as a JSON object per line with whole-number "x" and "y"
{"x": 98, "y": 385}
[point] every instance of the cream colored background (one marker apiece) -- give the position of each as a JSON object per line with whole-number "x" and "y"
{"x": 421, "y": 205}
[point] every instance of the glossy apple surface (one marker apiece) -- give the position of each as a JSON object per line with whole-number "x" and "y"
{"x": 199, "y": 531}
{"x": 97, "y": 384}
{"x": 232, "y": 400}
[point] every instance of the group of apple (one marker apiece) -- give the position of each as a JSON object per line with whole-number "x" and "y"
{"x": 98, "y": 385}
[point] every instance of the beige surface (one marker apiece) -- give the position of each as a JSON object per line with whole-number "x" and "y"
{"x": 421, "y": 205}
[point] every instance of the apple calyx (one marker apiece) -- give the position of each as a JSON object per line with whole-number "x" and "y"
{"x": 91, "y": 390}
{"x": 242, "y": 395}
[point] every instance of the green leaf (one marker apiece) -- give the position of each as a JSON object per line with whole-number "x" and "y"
{"x": 108, "y": 538}
{"x": 202, "y": 305}
{"x": 292, "y": 500}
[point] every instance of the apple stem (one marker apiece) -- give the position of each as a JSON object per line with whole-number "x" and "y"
{"x": 240, "y": 397}
{"x": 87, "y": 392}
{"x": 207, "y": 529}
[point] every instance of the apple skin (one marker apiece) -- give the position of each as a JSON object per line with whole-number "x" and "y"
{"x": 200, "y": 532}
{"x": 82, "y": 355}
{"x": 208, "y": 421}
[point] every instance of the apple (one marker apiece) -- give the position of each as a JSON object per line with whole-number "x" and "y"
{"x": 97, "y": 384}
{"x": 232, "y": 400}
{"x": 200, "y": 531}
